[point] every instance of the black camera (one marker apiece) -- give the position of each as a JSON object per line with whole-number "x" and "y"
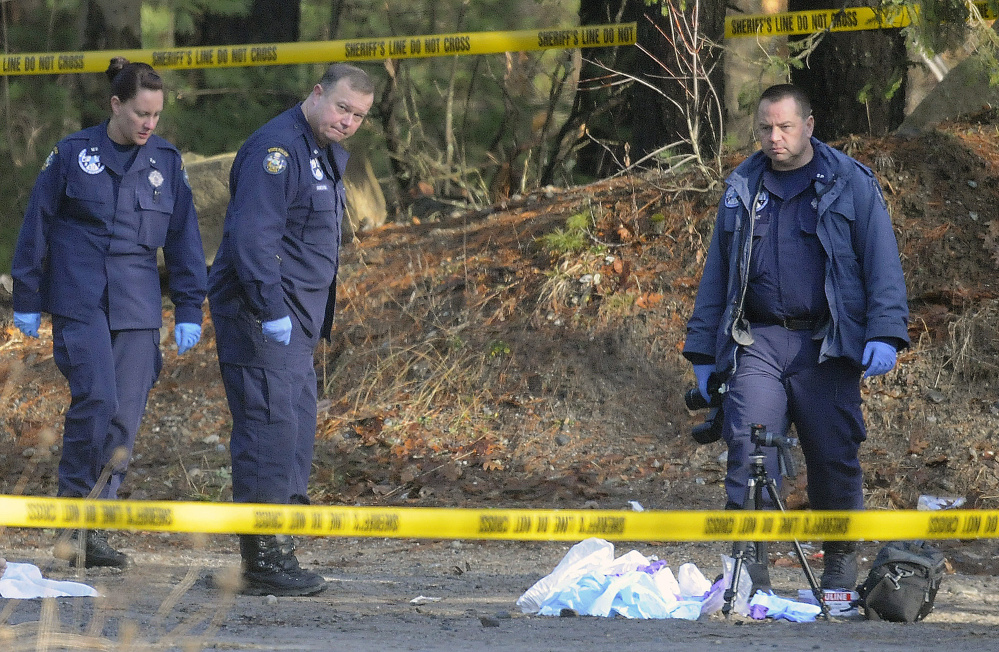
{"x": 758, "y": 435}
{"x": 711, "y": 429}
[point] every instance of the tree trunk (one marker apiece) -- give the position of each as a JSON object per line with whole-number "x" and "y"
{"x": 625, "y": 122}
{"x": 105, "y": 25}
{"x": 688, "y": 76}
{"x": 252, "y": 94}
{"x": 269, "y": 21}
{"x": 856, "y": 80}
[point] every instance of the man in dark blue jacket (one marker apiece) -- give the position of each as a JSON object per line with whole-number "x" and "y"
{"x": 272, "y": 293}
{"x": 802, "y": 294}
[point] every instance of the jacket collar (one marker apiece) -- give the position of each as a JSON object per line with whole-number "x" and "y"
{"x": 335, "y": 153}
{"x": 99, "y": 141}
{"x": 746, "y": 176}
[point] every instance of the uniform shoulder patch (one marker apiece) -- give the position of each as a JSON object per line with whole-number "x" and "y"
{"x": 276, "y": 160}
{"x": 50, "y": 159}
{"x": 879, "y": 193}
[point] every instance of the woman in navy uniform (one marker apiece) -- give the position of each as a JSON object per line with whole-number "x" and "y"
{"x": 272, "y": 293}
{"x": 107, "y": 198}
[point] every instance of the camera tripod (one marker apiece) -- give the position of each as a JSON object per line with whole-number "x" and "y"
{"x": 755, "y": 486}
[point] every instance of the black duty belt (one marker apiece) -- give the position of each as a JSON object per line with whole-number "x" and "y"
{"x": 791, "y": 324}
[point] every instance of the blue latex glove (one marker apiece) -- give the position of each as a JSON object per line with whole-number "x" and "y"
{"x": 702, "y": 372}
{"x": 186, "y": 335}
{"x": 28, "y": 322}
{"x": 278, "y": 330}
{"x": 879, "y": 358}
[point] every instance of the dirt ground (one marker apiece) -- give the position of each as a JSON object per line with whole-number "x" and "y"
{"x": 506, "y": 357}
{"x": 430, "y": 595}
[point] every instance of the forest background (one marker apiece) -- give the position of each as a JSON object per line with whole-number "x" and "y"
{"x": 468, "y": 131}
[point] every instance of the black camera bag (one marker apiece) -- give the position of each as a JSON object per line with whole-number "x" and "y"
{"x": 903, "y": 582}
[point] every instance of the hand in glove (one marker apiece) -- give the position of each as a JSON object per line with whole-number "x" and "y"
{"x": 186, "y": 335}
{"x": 703, "y": 372}
{"x": 28, "y": 322}
{"x": 278, "y": 330}
{"x": 879, "y": 358}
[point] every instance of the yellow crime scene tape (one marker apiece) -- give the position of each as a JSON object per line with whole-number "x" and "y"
{"x": 849, "y": 19}
{"x": 369, "y": 49}
{"x": 508, "y": 524}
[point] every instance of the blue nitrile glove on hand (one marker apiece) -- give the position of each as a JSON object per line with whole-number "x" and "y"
{"x": 703, "y": 372}
{"x": 879, "y": 358}
{"x": 278, "y": 330}
{"x": 186, "y": 335}
{"x": 28, "y": 322}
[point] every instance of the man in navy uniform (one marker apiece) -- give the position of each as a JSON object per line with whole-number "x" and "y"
{"x": 802, "y": 294}
{"x": 106, "y": 199}
{"x": 272, "y": 291}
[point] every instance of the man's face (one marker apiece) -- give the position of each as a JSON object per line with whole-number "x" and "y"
{"x": 134, "y": 121}
{"x": 784, "y": 134}
{"x": 336, "y": 115}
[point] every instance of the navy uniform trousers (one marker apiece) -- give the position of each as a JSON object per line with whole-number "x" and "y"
{"x": 273, "y": 416}
{"x": 110, "y": 374}
{"x": 778, "y": 382}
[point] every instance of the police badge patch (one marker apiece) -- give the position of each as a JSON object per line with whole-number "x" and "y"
{"x": 90, "y": 163}
{"x": 762, "y": 199}
{"x": 156, "y": 178}
{"x": 276, "y": 161}
{"x": 317, "y": 171}
{"x": 731, "y": 198}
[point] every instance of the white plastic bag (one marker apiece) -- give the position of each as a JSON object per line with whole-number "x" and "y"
{"x": 585, "y": 556}
{"x": 691, "y": 582}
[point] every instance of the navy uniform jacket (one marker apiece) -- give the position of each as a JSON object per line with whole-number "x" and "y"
{"x": 864, "y": 285}
{"x": 83, "y": 250}
{"x": 280, "y": 245}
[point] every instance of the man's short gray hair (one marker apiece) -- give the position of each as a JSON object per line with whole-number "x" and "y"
{"x": 358, "y": 80}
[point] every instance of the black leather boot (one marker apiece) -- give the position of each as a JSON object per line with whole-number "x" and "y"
{"x": 840, "y": 570}
{"x": 96, "y": 551}
{"x": 271, "y": 568}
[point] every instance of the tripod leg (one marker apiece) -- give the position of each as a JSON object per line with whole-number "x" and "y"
{"x": 739, "y": 548}
{"x": 771, "y": 486}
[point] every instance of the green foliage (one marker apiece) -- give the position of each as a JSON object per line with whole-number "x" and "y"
{"x": 498, "y": 349}
{"x": 869, "y": 92}
{"x": 572, "y": 239}
{"x": 579, "y": 222}
{"x": 940, "y": 25}
{"x": 936, "y": 26}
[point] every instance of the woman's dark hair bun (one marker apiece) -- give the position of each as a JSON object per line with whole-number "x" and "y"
{"x": 115, "y": 67}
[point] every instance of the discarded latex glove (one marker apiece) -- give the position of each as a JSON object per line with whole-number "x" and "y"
{"x": 767, "y": 605}
{"x": 930, "y": 503}
{"x": 25, "y": 581}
